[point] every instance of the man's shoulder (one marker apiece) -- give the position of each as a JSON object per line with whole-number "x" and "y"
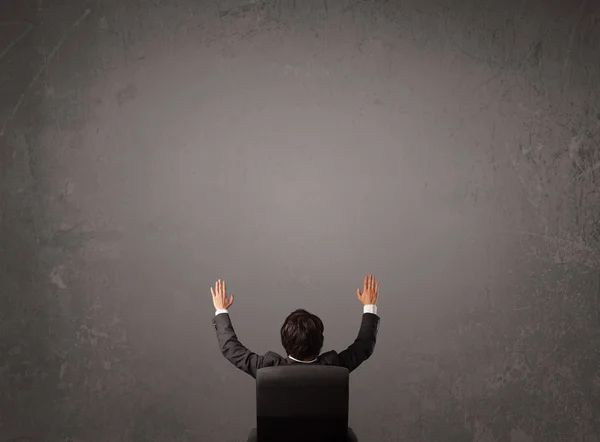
{"x": 329, "y": 358}
{"x": 272, "y": 358}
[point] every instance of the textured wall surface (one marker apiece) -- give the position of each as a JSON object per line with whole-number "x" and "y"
{"x": 148, "y": 148}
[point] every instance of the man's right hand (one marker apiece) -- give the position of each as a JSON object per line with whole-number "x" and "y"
{"x": 370, "y": 291}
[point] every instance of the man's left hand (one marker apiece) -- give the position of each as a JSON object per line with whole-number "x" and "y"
{"x": 219, "y": 296}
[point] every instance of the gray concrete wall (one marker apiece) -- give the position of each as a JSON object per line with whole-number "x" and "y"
{"x": 291, "y": 147}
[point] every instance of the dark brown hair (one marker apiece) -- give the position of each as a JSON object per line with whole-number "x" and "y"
{"x": 302, "y": 335}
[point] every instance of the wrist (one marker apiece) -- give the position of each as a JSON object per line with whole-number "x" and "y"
{"x": 370, "y": 308}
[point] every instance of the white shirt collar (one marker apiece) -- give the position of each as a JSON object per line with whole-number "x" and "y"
{"x": 304, "y": 362}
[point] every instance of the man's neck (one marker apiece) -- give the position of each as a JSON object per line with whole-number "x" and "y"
{"x": 304, "y": 362}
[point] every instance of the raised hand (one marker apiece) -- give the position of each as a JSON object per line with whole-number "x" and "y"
{"x": 219, "y": 296}
{"x": 370, "y": 291}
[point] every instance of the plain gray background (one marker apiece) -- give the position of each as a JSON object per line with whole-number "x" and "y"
{"x": 290, "y": 148}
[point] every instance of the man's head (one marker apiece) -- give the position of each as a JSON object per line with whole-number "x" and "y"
{"x": 302, "y": 335}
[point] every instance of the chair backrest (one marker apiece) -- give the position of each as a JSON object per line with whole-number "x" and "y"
{"x": 302, "y": 403}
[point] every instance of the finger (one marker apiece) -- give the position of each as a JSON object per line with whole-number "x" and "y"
{"x": 224, "y": 287}
{"x": 366, "y": 283}
{"x": 231, "y": 300}
{"x": 358, "y": 293}
{"x": 372, "y": 282}
{"x": 212, "y": 291}
{"x": 377, "y": 287}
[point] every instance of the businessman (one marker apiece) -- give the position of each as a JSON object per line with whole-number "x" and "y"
{"x": 301, "y": 335}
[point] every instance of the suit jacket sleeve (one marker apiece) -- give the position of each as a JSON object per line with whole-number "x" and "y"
{"x": 363, "y": 346}
{"x": 236, "y": 353}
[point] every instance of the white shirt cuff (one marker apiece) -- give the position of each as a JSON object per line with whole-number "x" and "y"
{"x": 370, "y": 308}
{"x": 221, "y": 310}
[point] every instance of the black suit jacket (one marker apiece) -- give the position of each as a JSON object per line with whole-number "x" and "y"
{"x": 249, "y": 362}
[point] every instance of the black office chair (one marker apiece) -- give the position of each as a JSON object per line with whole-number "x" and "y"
{"x": 302, "y": 403}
